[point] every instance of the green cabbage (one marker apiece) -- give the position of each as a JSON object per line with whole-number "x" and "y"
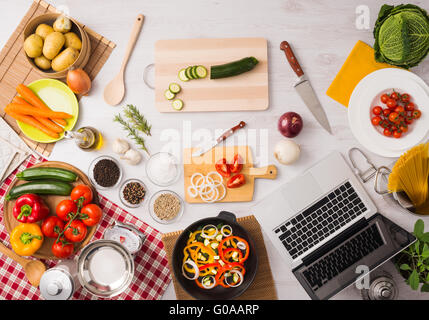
{"x": 401, "y": 35}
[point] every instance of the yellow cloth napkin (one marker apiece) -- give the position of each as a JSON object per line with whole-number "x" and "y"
{"x": 359, "y": 64}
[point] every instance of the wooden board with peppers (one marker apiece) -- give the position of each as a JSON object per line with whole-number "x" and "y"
{"x": 51, "y": 201}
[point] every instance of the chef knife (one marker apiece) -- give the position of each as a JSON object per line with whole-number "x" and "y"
{"x": 304, "y": 89}
{"x": 215, "y": 142}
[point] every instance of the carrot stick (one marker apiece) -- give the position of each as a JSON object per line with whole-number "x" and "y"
{"x": 48, "y": 123}
{"x": 30, "y": 111}
{"x": 32, "y": 122}
{"x": 28, "y": 95}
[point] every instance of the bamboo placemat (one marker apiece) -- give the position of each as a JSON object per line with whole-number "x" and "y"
{"x": 15, "y": 69}
{"x": 262, "y": 287}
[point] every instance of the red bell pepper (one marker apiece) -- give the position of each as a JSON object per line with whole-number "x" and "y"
{"x": 30, "y": 208}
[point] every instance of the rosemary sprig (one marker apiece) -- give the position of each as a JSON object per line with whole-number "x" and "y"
{"x": 132, "y": 132}
{"x": 137, "y": 119}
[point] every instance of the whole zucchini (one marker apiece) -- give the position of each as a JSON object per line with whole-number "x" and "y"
{"x": 233, "y": 68}
{"x": 58, "y": 188}
{"x": 44, "y": 173}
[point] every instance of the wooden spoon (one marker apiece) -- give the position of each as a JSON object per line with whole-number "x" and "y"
{"x": 115, "y": 90}
{"x": 34, "y": 269}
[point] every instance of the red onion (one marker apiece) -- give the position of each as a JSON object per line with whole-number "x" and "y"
{"x": 290, "y": 124}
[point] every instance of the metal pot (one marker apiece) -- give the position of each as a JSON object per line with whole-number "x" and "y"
{"x": 105, "y": 268}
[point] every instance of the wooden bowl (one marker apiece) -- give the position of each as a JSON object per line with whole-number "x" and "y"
{"x": 51, "y": 201}
{"x": 84, "y": 53}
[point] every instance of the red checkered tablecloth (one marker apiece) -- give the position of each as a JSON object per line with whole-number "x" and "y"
{"x": 151, "y": 276}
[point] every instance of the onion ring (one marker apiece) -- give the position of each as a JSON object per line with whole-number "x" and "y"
{"x": 238, "y": 283}
{"x": 213, "y": 282}
{"x": 223, "y": 233}
{"x": 206, "y": 187}
{"x": 204, "y": 235}
{"x": 194, "y": 266}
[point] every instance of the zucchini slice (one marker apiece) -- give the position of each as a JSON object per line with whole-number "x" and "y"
{"x": 169, "y": 95}
{"x": 174, "y": 87}
{"x": 182, "y": 75}
{"x": 177, "y": 104}
{"x": 194, "y": 73}
{"x": 188, "y": 73}
{"x": 201, "y": 72}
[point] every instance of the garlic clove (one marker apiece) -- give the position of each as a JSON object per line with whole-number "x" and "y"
{"x": 120, "y": 146}
{"x": 133, "y": 157}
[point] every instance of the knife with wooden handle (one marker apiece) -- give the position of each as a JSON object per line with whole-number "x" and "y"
{"x": 221, "y": 138}
{"x": 304, "y": 89}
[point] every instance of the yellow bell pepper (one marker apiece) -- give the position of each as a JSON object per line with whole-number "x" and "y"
{"x": 26, "y": 238}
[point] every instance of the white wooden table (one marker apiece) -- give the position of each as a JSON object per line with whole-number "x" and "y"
{"x": 322, "y": 34}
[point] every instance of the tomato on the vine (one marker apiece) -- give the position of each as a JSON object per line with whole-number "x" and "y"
{"x": 377, "y": 110}
{"x": 387, "y": 132}
{"x": 62, "y": 248}
{"x": 76, "y": 231}
{"x": 405, "y": 97}
{"x": 391, "y": 103}
{"x": 410, "y": 106}
{"x": 386, "y": 112}
{"x": 394, "y": 117}
{"x": 82, "y": 191}
{"x": 91, "y": 214}
{"x": 397, "y": 134}
{"x": 394, "y": 96}
{"x": 376, "y": 120}
{"x": 417, "y": 114}
{"x": 384, "y": 97}
{"x": 52, "y": 226}
{"x": 65, "y": 209}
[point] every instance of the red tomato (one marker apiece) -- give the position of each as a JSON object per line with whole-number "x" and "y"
{"x": 237, "y": 165}
{"x": 417, "y": 114}
{"x": 65, "y": 209}
{"x": 236, "y": 181}
{"x": 377, "y": 110}
{"x": 405, "y": 97}
{"x": 91, "y": 214}
{"x": 52, "y": 226}
{"x": 397, "y": 134}
{"x": 387, "y": 132}
{"x": 394, "y": 96}
{"x": 82, "y": 191}
{"x": 75, "y": 231}
{"x": 62, "y": 249}
{"x": 391, "y": 103}
{"x": 399, "y": 109}
{"x": 386, "y": 112}
{"x": 384, "y": 98}
{"x": 410, "y": 106}
{"x": 394, "y": 117}
{"x": 223, "y": 168}
{"x": 376, "y": 120}
{"x": 403, "y": 128}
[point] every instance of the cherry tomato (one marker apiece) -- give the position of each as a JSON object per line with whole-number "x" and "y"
{"x": 399, "y": 109}
{"x": 52, "y": 226}
{"x": 409, "y": 120}
{"x": 82, "y": 191}
{"x": 91, "y": 214}
{"x": 405, "y": 97}
{"x": 387, "y": 132}
{"x": 386, "y": 112}
{"x": 65, "y": 209}
{"x": 397, "y": 134}
{"x": 376, "y": 120}
{"x": 236, "y": 181}
{"x": 391, "y": 103}
{"x": 223, "y": 168}
{"x": 394, "y": 117}
{"x": 410, "y": 106}
{"x": 75, "y": 231}
{"x": 377, "y": 110}
{"x": 384, "y": 98}
{"x": 62, "y": 248}
{"x": 417, "y": 114}
{"x": 394, "y": 96}
{"x": 237, "y": 164}
{"x": 403, "y": 128}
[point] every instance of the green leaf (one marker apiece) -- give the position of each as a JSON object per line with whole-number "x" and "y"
{"x": 405, "y": 266}
{"x": 425, "y": 252}
{"x": 417, "y": 247}
{"x": 413, "y": 280}
{"x": 425, "y": 237}
{"x": 419, "y": 228}
{"x": 425, "y": 287}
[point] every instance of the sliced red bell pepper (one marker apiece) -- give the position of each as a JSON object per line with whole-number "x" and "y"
{"x": 30, "y": 208}
{"x": 221, "y": 249}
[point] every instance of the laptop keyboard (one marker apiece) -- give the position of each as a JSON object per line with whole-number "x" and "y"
{"x": 322, "y": 219}
{"x": 343, "y": 257}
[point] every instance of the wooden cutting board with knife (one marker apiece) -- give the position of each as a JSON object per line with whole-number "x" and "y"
{"x": 304, "y": 88}
{"x": 202, "y": 160}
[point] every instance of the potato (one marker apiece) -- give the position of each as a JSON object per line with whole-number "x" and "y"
{"x": 33, "y": 46}
{"x": 62, "y": 24}
{"x": 43, "y": 30}
{"x": 42, "y": 62}
{"x": 65, "y": 59}
{"x": 72, "y": 41}
{"x": 53, "y": 44}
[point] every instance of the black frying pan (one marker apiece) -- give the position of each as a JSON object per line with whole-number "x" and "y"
{"x": 218, "y": 292}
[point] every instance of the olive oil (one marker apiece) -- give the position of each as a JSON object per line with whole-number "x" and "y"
{"x": 86, "y": 138}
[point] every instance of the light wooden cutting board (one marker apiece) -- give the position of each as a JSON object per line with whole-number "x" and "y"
{"x": 206, "y": 164}
{"x": 245, "y": 92}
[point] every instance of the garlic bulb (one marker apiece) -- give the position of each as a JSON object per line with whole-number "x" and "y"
{"x": 132, "y": 156}
{"x": 287, "y": 151}
{"x": 120, "y": 146}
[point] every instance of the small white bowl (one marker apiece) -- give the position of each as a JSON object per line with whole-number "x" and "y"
{"x": 159, "y": 157}
{"x": 153, "y": 214}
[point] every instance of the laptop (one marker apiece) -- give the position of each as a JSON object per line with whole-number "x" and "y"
{"x": 324, "y": 225}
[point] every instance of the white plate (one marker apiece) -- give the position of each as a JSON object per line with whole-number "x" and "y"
{"x": 361, "y": 102}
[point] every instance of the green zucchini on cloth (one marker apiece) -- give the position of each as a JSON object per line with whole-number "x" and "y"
{"x": 58, "y": 188}
{"x": 401, "y": 35}
{"x": 234, "y": 68}
{"x": 47, "y": 173}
